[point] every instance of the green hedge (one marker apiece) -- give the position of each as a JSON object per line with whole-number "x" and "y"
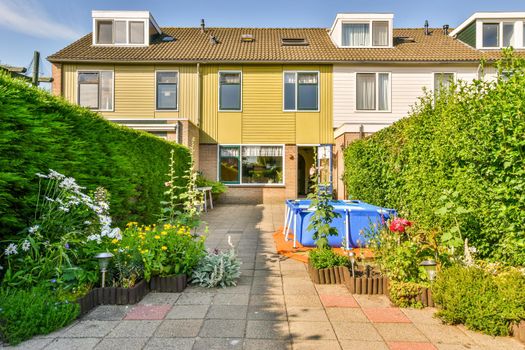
{"x": 456, "y": 165}
{"x": 39, "y": 131}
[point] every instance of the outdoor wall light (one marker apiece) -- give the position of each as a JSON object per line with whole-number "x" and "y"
{"x": 103, "y": 261}
{"x": 430, "y": 268}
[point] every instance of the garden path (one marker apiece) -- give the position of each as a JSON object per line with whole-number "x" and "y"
{"x": 275, "y": 306}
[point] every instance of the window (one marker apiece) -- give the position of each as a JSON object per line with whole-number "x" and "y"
{"x": 373, "y": 91}
{"x": 251, "y": 164}
{"x": 358, "y": 34}
{"x": 508, "y": 34}
{"x": 120, "y": 32}
{"x": 490, "y": 34}
{"x": 294, "y": 42}
{"x": 167, "y": 90}
{"x": 136, "y": 32}
{"x": 301, "y": 91}
{"x": 442, "y": 81}
{"x": 230, "y": 91}
{"x": 104, "y": 32}
{"x": 95, "y": 90}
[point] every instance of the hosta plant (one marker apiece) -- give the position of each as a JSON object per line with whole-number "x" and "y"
{"x": 217, "y": 269}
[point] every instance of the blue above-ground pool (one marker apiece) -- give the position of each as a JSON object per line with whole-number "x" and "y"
{"x": 356, "y": 221}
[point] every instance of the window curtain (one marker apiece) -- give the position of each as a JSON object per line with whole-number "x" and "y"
{"x": 380, "y": 33}
{"x": 106, "y": 90}
{"x": 356, "y": 34}
{"x": 366, "y": 91}
{"x": 508, "y": 34}
{"x": 262, "y": 151}
{"x": 383, "y": 91}
{"x": 229, "y": 152}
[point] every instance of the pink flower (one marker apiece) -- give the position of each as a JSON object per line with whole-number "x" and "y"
{"x": 167, "y": 184}
{"x": 399, "y": 225}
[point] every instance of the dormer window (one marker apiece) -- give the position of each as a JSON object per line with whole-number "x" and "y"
{"x": 123, "y": 28}
{"x": 358, "y": 34}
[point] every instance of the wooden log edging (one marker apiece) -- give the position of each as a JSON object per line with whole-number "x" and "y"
{"x": 112, "y": 296}
{"x": 171, "y": 284}
{"x": 331, "y": 275}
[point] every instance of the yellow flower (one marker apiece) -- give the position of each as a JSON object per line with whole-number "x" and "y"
{"x": 114, "y": 240}
{"x": 164, "y": 247}
{"x": 115, "y": 250}
{"x": 147, "y": 228}
{"x": 164, "y": 233}
{"x": 167, "y": 226}
{"x": 157, "y": 237}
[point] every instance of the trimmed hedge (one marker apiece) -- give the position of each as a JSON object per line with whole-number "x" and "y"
{"x": 39, "y": 131}
{"x": 456, "y": 165}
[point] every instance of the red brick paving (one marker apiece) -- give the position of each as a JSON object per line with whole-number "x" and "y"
{"x": 386, "y": 315}
{"x": 410, "y": 346}
{"x": 338, "y": 301}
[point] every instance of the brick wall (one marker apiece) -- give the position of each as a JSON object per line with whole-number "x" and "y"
{"x": 56, "y": 73}
{"x": 188, "y": 132}
{"x": 253, "y": 194}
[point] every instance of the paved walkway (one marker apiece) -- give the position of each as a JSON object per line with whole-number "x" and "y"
{"x": 275, "y": 306}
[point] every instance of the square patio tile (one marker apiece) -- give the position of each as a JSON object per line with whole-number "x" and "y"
{"x": 273, "y": 300}
{"x": 307, "y": 314}
{"x": 356, "y": 331}
{"x": 411, "y": 346}
{"x": 196, "y": 298}
{"x": 35, "y": 343}
{"x": 306, "y": 300}
{"x": 170, "y": 344}
{"x": 267, "y": 344}
{"x": 363, "y": 345}
{"x": 338, "y": 300}
{"x": 422, "y": 316}
{"x": 223, "y": 329}
{"x": 134, "y": 329}
{"x": 267, "y": 330}
{"x": 443, "y": 334}
{"x": 187, "y": 311}
{"x": 316, "y": 345}
{"x": 346, "y": 314}
{"x": 261, "y": 312}
{"x": 400, "y": 332}
{"x": 231, "y": 299}
{"x": 218, "y": 344}
{"x": 154, "y": 298}
{"x": 332, "y": 289}
{"x": 311, "y": 330}
{"x": 121, "y": 343}
{"x": 178, "y": 329}
{"x": 148, "y": 312}
{"x": 73, "y": 343}
{"x": 107, "y": 313}
{"x": 386, "y": 315}
{"x": 227, "y": 312}
{"x": 90, "y": 329}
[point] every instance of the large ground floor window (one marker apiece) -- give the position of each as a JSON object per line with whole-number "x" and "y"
{"x": 251, "y": 164}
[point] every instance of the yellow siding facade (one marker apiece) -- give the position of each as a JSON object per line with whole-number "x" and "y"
{"x": 262, "y": 119}
{"x": 134, "y": 93}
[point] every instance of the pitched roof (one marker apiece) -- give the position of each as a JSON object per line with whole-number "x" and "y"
{"x": 192, "y": 45}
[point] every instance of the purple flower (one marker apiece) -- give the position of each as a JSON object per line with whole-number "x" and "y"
{"x": 66, "y": 245}
{"x": 53, "y": 281}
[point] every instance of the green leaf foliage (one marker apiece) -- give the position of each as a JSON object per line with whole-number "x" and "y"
{"x": 479, "y": 299}
{"x": 455, "y": 165}
{"x": 323, "y": 258}
{"x": 404, "y": 294}
{"x": 217, "y": 269}
{"x": 25, "y": 313}
{"x": 39, "y": 131}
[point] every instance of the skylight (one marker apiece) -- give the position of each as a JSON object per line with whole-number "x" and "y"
{"x": 294, "y": 42}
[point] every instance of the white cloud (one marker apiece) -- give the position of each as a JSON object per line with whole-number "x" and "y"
{"x": 30, "y": 18}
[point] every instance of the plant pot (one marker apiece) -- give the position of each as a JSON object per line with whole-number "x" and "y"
{"x": 367, "y": 285}
{"x": 331, "y": 275}
{"x": 170, "y": 284}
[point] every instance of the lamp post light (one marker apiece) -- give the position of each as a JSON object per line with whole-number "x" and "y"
{"x": 352, "y": 261}
{"x": 103, "y": 261}
{"x": 430, "y": 268}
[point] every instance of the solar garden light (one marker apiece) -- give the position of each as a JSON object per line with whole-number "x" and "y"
{"x": 103, "y": 261}
{"x": 352, "y": 261}
{"x": 430, "y": 268}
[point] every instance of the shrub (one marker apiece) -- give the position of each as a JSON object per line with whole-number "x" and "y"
{"x": 480, "y": 300}
{"x": 217, "y": 269}
{"x": 404, "y": 294}
{"x": 25, "y": 313}
{"x": 166, "y": 250}
{"x": 455, "y": 165}
{"x": 323, "y": 258}
{"x": 39, "y": 131}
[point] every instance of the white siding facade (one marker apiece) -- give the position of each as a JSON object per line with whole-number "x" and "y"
{"x": 406, "y": 86}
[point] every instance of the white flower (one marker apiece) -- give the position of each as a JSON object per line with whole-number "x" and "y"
{"x": 104, "y": 205}
{"x": 41, "y": 175}
{"x": 472, "y": 249}
{"x": 49, "y": 199}
{"x": 26, "y": 245}
{"x": 64, "y": 209}
{"x": 1, "y": 267}
{"x": 94, "y": 238}
{"x": 55, "y": 175}
{"x": 114, "y": 233}
{"x": 105, "y": 220}
{"x": 11, "y": 249}
{"x": 33, "y": 229}
{"x": 69, "y": 183}
{"x": 87, "y": 222}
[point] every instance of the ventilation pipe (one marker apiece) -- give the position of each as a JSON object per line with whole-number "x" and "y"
{"x": 427, "y": 32}
{"x": 203, "y": 26}
{"x": 445, "y": 29}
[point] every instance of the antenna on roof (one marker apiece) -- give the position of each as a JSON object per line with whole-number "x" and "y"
{"x": 426, "y": 27}
{"x": 203, "y": 26}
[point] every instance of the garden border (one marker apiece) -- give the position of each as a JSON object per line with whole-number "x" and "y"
{"x": 331, "y": 275}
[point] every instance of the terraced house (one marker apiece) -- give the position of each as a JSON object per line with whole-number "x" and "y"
{"x": 258, "y": 101}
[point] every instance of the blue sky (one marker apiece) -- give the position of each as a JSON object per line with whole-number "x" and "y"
{"x": 49, "y": 25}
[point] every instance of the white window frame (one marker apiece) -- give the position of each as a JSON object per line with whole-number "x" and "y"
{"x": 112, "y": 88}
{"x": 389, "y": 110}
{"x": 156, "y": 89}
{"x": 240, "y": 184}
{"x": 517, "y": 36}
{"x": 297, "y": 89}
{"x": 370, "y": 27}
{"x": 454, "y": 78}
{"x": 219, "y": 91}
{"x": 127, "y": 21}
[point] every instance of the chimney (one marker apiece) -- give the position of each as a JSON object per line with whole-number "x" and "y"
{"x": 426, "y": 28}
{"x": 203, "y": 26}
{"x": 445, "y": 29}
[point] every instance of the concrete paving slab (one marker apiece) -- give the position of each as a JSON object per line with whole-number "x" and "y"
{"x": 311, "y": 330}
{"x": 223, "y": 329}
{"x": 227, "y": 312}
{"x": 73, "y": 343}
{"x": 400, "y": 332}
{"x": 218, "y": 344}
{"x": 187, "y": 312}
{"x": 121, "y": 343}
{"x": 178, "y": 329}
{"x": 90, "y": 329}
{"x": 356, "y": 331}
{"x": 134, "y": 329}
{"x": 170, "y": 344}
{"x": 267, "y": 330}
